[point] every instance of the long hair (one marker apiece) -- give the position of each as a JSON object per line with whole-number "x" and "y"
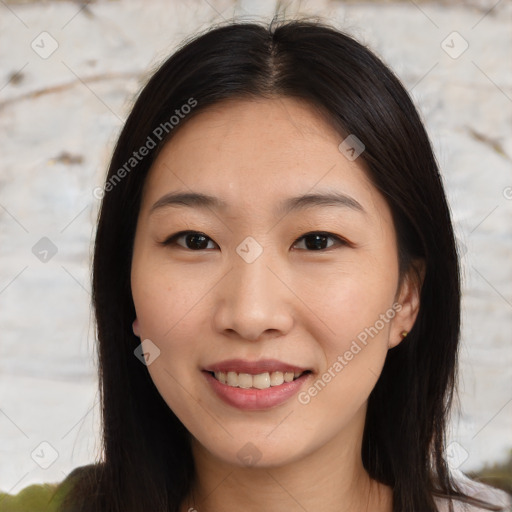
{"x": 147, "y": 462}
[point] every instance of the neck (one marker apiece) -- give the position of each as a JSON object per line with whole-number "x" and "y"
{"x": 320, "y": 481}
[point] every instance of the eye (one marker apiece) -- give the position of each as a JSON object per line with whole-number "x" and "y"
{"x": 316, "y": 241}
{"x": 196, "y": 241}
{"x": 193, "y": 240}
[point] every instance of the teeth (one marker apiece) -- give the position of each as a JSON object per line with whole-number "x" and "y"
{"x": 244, "y": 380}
{"x": 232, "y": 379}
{"x": 260, "y": 381}
{"x": 276, "y": 378}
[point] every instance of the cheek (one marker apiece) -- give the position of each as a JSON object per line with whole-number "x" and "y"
{"x": 351, "y": 302}
{"x": 168, "y": 310}
{"x": 172, "y": 312}
{"x": 164, "y": 296}
{"x": 358, "y": 314}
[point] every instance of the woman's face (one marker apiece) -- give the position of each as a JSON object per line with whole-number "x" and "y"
{"x": 266, "y": 287}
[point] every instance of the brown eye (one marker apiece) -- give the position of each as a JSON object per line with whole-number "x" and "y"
{"x": 318, "y": 241}
{"x": 193, "y": 240}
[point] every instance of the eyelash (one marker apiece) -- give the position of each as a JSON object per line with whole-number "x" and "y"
{"x": 171, "y": 240}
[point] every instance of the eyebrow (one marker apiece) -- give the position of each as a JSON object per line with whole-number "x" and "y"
{"x": 205, "y": 201}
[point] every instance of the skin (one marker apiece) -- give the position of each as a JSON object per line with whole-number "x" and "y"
{"x": 298, "y": 305}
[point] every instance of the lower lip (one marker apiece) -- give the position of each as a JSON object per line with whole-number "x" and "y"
{"x": 256, "y": 399}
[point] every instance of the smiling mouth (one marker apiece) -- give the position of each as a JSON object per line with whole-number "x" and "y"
{"x": 259, "y": 381}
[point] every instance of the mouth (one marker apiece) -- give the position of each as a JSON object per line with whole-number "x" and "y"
{"x": 255, "y": 386}
{"x": 263, "y": 380}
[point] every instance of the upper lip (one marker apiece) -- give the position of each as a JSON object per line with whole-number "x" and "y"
{"x": 254, "y": 367}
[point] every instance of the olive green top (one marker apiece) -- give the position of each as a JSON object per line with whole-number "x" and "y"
{"x": 34, "y": 498}
{"x": 39, "y": 497}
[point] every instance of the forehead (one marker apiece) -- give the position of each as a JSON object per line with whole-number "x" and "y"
{"x": 257, "y": 153}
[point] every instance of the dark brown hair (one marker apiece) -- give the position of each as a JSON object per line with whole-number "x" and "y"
{"x": 147, "y": 458}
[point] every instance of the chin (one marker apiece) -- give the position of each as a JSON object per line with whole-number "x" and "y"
{"x": 256, "y": 453}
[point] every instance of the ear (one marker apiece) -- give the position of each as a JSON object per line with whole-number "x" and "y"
{"x": 408, "y": 298}
{"x": 135, "y": 327}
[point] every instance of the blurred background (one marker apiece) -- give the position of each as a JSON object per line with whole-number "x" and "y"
{"x": 69, "y": 73}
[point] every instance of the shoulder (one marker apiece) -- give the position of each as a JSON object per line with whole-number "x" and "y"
{"x": 91, "y": 472}
{"x": 79, "y": 488}
{"x": 476, "y": 490}
{"x": 33, "y": 497}
{"x": 46, "y": 497}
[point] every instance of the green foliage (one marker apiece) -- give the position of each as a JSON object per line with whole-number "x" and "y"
{"x": 497, "y": 475}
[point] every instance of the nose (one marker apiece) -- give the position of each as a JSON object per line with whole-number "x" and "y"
{"x": 253, "y": 302}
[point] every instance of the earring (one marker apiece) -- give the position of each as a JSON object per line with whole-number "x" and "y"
{"x": 404, "y": 334}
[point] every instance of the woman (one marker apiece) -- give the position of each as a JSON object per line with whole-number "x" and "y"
{"x": 276, "y": 288}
